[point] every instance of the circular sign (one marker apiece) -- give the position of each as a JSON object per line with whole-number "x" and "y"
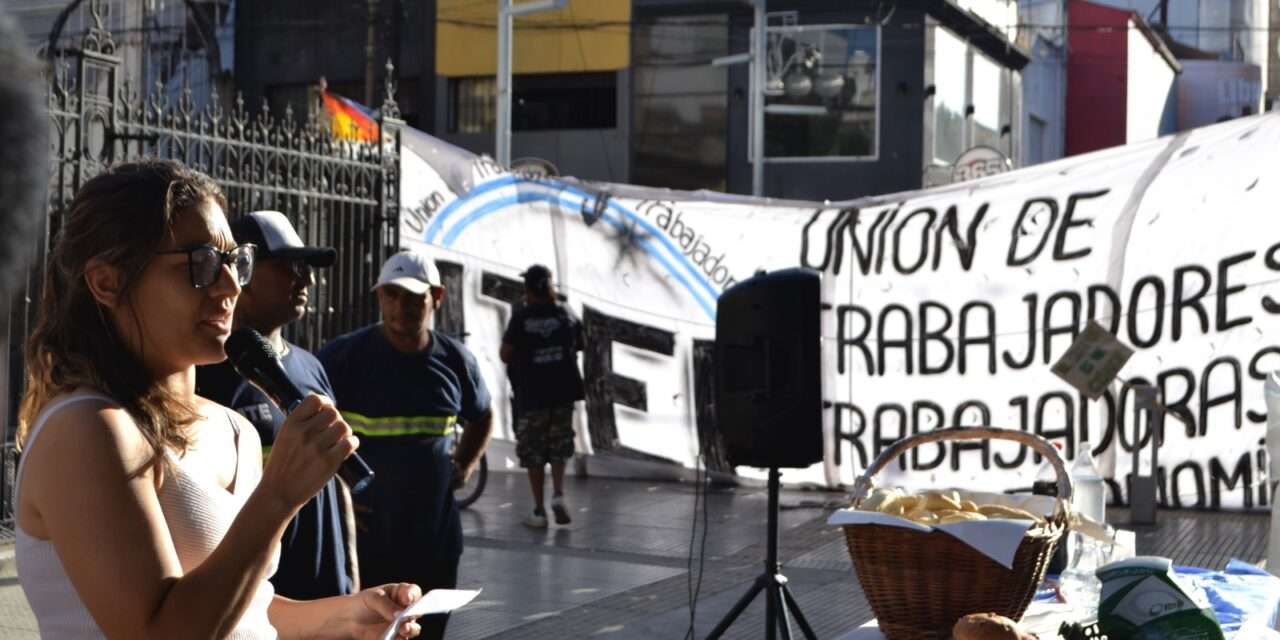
{"x": 534, "y": 168}
{"x": 979, "y": 162}
{"x": 935, "y": 175}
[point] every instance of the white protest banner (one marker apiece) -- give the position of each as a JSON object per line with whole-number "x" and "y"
{"x": 945, "y": 307}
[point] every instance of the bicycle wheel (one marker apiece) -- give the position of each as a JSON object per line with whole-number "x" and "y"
{"x": 470, "y": 492}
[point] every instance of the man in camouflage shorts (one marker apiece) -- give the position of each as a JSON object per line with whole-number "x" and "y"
{"x": 540, "y": 348}
{"x": 545, "y": 436}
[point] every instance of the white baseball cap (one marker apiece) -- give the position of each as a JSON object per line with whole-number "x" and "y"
{"x": 411, "y": 270}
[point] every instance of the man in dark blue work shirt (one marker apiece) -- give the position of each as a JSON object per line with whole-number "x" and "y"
{"x": 315, "y": 559}
{"x": 401, "y": 387}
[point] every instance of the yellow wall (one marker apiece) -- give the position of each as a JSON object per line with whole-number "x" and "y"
{"x": 467, "y": 40}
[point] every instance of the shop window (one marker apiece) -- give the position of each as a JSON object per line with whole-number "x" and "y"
{"x": 986, "y": 102}
{"x": 679, "y": 102}
{"x": 822, "y": 92}
{"x": 950, "y": 100}
{"x": 539, "y": 102}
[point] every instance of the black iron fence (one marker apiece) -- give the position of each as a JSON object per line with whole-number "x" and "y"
{"x": 337, "y": 193}
{"x": 8, "y": 470}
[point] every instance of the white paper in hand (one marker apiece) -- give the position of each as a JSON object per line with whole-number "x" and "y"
{"x": 432, "y": 602}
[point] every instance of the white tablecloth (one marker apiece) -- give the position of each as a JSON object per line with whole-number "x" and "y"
{"x": 1044, "y": 618}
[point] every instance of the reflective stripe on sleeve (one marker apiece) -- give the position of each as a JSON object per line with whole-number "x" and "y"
{"x": 399, "y": 425}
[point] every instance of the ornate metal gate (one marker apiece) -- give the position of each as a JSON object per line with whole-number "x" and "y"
{"x": 337, "y": 193}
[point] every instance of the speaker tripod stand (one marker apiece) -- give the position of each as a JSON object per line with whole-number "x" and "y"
{"x": 780, "y": 605}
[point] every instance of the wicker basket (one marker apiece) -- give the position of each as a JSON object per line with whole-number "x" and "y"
{"x": 920, "y": 583}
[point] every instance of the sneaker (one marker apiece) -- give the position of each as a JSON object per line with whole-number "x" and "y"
{"x": 536, "y": 520}
{"x": 558, "y": 508}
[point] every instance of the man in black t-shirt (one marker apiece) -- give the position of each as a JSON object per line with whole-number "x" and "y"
{"x": 316, "y": 558}
{"x": 540, "y": 348}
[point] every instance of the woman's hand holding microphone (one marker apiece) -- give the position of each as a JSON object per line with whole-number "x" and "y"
{"x": 309, "y": 448}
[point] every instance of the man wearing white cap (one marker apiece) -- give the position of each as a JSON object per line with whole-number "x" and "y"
{"x": 401, "y": 387}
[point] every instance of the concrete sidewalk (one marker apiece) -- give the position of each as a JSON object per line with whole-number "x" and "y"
{"x": 621, "y": 570}
{"x": 16, "y": 620}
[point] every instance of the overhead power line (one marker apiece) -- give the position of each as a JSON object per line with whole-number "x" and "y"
{"x": 605, "y": 24}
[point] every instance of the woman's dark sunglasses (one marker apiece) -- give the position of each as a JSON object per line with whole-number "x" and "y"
{"x": 204, "y": 263}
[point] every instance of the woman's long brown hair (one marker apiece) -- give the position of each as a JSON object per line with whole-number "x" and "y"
{"x": 120, "y": 217}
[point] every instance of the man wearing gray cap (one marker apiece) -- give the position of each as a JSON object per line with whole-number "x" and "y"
{"x": 316, "y": 558}
{"x": 401, "y": 387}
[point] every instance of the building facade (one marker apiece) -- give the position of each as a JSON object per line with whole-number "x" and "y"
{"x": 860, "y": 98}
{"x": 1120, "y": 79}
{"x": 1273, "y": 61}
{"x": 864, "y": 97}
{"x": 571, "y": 84}
{"x": 173, "y": 45}
{"x": 1044, "y": 80}
{"x": 284, "y": 48}
{"x": 1240, "y": 31}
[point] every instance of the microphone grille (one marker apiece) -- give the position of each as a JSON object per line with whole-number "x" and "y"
{"x": 246, "y": 345}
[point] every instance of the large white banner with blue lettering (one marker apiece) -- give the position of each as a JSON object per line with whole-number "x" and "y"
{"x": 942, "y": 308}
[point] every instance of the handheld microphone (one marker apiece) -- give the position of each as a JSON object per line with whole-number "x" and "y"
{"x": 255, "y": 359}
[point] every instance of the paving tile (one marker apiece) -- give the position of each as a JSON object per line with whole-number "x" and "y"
{"x": 833, "y": 555}
{"x": 522, "y": 587}
{"x": 622, "y": 570}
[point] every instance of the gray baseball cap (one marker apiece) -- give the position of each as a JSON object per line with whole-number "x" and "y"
{"x": 275, "y": 237}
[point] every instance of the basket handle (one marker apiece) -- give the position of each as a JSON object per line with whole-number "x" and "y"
{"x": 862, "y": 486}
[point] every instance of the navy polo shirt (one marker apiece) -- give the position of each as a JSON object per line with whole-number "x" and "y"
{"x": 313, "y": 551}
{"x": 402, "y": 406}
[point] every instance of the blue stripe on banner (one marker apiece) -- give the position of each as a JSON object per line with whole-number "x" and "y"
{"x": 575, "y": 207}
{"x": 437, "y": 225}
{"x": 499, "y": 204}
{"x": 662, "y": 237}
{"x": 494, "y": 206}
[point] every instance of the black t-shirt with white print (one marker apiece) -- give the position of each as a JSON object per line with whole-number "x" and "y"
{"x": 544, "y": 368}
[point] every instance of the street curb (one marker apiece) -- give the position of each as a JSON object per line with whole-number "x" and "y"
{"x": 8, "y": 566}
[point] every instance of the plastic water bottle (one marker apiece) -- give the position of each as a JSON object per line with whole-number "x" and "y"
{"x": 1079, "y": 583}
{"x": 1271, "y": 390}
{"x": 1089, "y": 497}
{"x": 1046, "y": 482}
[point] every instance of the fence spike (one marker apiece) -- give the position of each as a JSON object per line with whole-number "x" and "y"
{"x": 98, "y": 37}
{"x": 214, "y": 108}
{"x": 390, "y": 109}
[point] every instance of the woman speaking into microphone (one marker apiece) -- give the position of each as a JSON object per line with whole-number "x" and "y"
{"x": 143, "y": 510}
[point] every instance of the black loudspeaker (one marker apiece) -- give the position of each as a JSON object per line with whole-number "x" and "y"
{"x": 768, "y": 368}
